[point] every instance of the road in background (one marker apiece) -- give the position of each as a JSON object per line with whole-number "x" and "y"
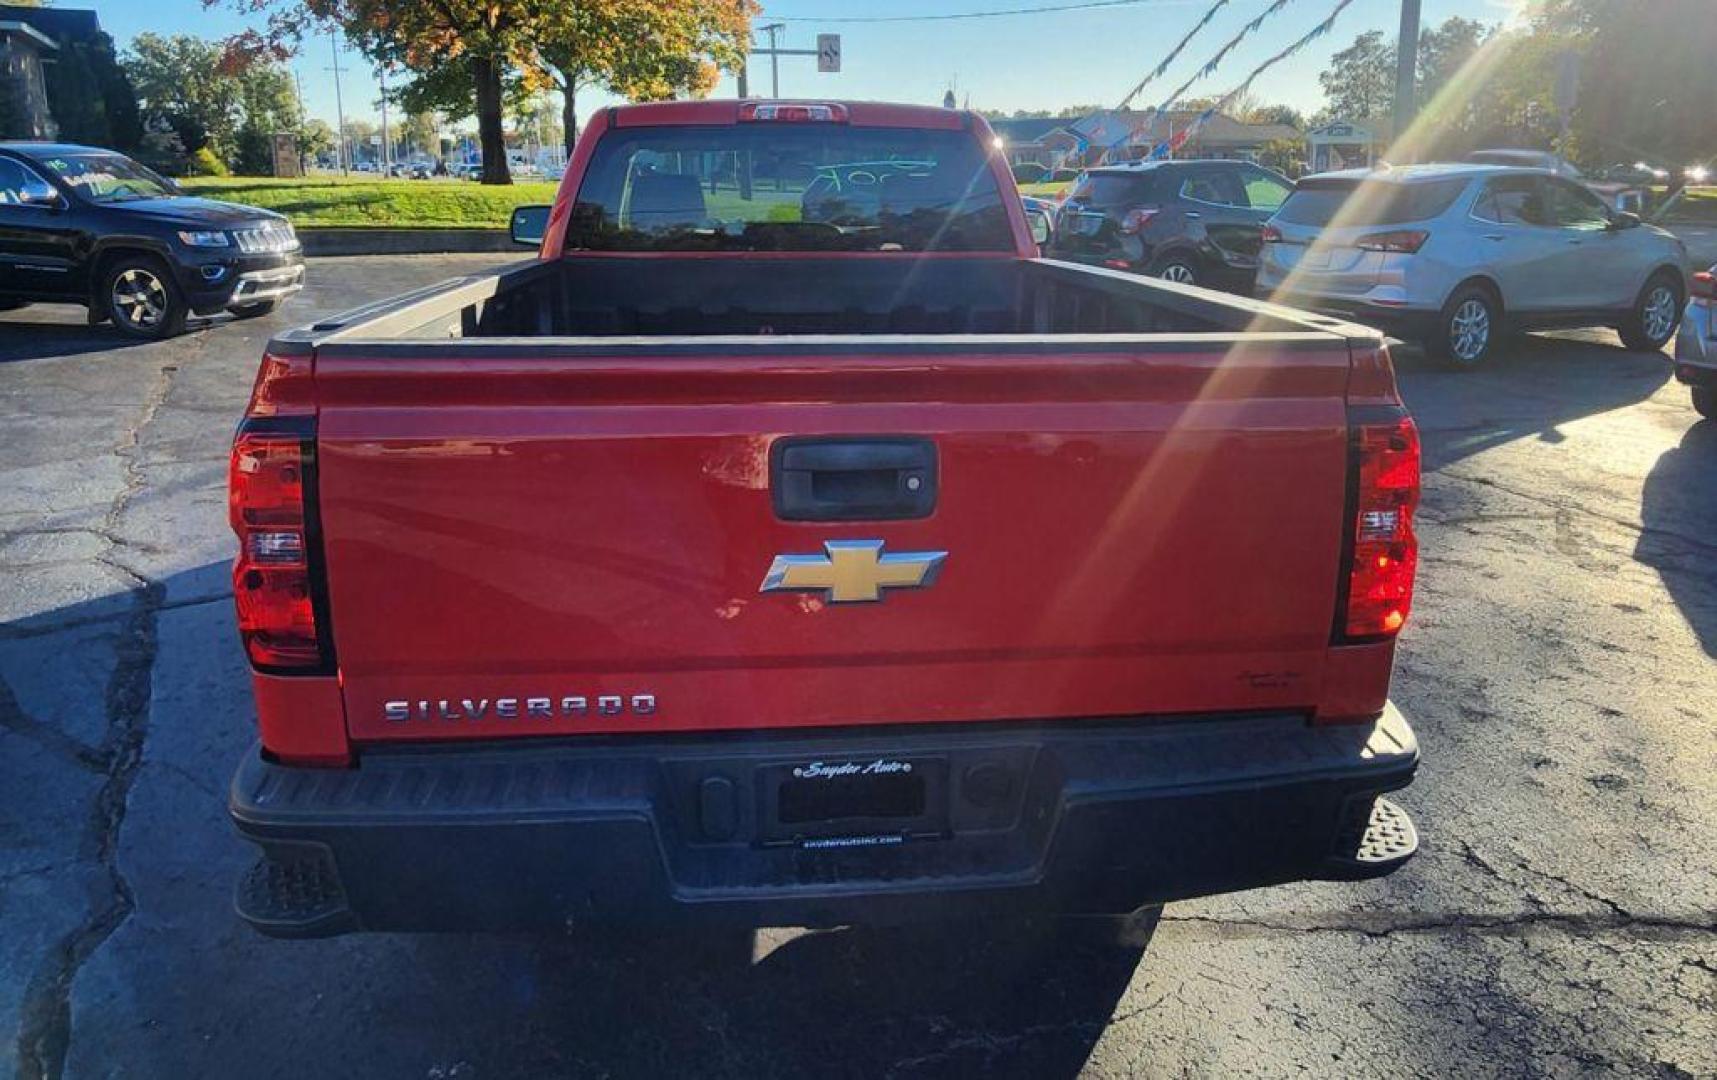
{"x": 1562, "y": 916}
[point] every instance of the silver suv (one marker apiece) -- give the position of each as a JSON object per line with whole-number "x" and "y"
{"x": 1454, "y": 255}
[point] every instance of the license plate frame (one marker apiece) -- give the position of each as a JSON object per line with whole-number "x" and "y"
{"x": 864, "y": 796}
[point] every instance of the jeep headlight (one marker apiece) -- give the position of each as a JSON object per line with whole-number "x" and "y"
{"x": 204, "y": 239}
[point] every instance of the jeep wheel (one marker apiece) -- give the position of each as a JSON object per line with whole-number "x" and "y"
{"x": 142, "y": 299}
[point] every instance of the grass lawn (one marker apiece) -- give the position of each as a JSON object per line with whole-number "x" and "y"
{"x": 332, "y": 200}
{"x": 1047, "y": 190}
{"x": 1697, "y": 207}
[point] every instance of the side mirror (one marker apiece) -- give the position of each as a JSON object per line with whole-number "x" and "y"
{"x": 530, "y": 225}
{"x": 1624, "y": 219}
{"x": 1041, "y": 230}
{"x": 39, "y": 193}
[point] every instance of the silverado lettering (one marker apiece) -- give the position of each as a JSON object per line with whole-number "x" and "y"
{"x": 1170, "y": 535}
{"x": 511, "y": 708}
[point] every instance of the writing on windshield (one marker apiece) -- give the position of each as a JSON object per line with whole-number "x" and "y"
{"x": 108, "y": 177}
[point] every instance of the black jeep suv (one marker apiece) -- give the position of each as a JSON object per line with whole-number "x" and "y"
{"x": 1195, "y": 222}
{"x": 86, "y": 226}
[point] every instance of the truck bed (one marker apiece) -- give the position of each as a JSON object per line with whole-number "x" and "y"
{"x": 792, "y": 294}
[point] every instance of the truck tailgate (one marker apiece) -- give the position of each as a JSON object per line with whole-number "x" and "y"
{"x": 1130, "y": 528}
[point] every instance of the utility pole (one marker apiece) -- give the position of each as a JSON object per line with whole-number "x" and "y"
{"x": 1406, "y": 69}
{"x": 387, "y": 145}
{"x": 339, "y": 106}
{"x": 774, "y": 59}
{"x": 774, "y": 53}
{"x": 303, "y": 119}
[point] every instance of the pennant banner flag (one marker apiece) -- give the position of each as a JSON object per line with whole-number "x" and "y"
{"x": 1144, "y": 122}
{"x": 1168, "y": 146}
{"x": 1174, "y": 53}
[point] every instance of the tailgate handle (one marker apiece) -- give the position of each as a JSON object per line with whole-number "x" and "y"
{"x": 852, "y": 479}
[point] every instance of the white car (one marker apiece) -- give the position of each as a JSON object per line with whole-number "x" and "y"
{"x": 1457, "y": 255}
{"x": 1696, "y": 344}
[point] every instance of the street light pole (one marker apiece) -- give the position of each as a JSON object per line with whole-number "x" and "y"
{"x": 339, "y": 106}
{"x": 1406, "y": 68}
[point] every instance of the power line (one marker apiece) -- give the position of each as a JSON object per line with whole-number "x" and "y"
{"x": 1049, "y": 9}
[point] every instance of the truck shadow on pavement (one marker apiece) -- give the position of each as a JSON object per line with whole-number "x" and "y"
{"x": 1678, "y": 538}
{"x": 159, "y": 972}
{"x": 933, "y": 1000}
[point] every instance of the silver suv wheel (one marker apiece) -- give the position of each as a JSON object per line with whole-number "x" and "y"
{"x": 1469, "y": 330}
{"x": 1658, "y": 315}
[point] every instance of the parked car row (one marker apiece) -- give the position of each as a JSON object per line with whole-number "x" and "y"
{"x": 1451, "y": 255}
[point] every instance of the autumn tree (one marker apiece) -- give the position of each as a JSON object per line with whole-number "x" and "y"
{"x": 478, "y": 39}
{"x": 645, "y": 50}
{"x": 640, "y": 48}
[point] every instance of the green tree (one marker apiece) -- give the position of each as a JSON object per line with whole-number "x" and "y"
{"x": 479, "y": 40}
{"x": 1444, "y": 50}
{"x": 1360, "y": 80}
{"x": 181, "y": 80}
{"x": 1277, "y": 114}
{"x": 268, "y": 103}
{"x": 315, "y": 138}
{"x": 231, "y": 109}
{"x": 1286, "y": 156}
{"x": 1647, "y": 79}
{"x": 419, "y": 133}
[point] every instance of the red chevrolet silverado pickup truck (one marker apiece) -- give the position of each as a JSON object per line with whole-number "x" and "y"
{"x": 790, "y": 544}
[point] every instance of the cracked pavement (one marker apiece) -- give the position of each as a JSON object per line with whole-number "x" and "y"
{"x": 1561, "y": 918}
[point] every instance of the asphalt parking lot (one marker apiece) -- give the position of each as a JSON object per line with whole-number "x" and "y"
{"x": 1561, "y": 919}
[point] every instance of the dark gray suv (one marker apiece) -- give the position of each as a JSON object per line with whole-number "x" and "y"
{"x": 1195, "y": 222}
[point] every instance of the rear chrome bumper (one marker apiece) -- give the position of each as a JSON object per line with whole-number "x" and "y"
{"x": 1082, "y": 818}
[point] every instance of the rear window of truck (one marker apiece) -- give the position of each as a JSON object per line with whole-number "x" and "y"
{"x": 1369, "y": 202}
{"x": 781, "y": 187}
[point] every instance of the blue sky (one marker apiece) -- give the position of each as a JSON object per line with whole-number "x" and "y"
{"x": 1044, "y": 60}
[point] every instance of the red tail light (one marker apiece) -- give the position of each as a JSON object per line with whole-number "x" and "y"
{"x": 1402, "y": 241}
{"x": 1137, "y": 219}
{"x": 270, "y": 490}
{"x": 1385, "y": 461}
{"x": 1271, "y": 235}
{"x": 1704, "y": 286}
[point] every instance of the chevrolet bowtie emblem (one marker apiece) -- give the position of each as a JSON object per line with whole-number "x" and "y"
{"x": 853, "y": 570}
